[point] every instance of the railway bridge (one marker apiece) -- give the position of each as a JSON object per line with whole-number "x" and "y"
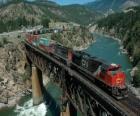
{"x": 78, "y": 92}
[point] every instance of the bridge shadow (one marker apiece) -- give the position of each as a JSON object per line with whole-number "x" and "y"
{"x": 50, "y": 101}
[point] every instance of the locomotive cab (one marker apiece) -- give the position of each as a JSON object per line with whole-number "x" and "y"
{"x": 115, "y": 79}
{"x": 112, "y": 75}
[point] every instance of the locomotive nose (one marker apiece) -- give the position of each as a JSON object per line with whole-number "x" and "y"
{"x": 120, "y": 79}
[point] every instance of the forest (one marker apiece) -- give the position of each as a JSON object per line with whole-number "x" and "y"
{"x": 126, "y": 26}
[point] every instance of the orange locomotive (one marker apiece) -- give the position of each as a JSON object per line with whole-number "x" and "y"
{"x": 114, "y": 80}
{"x": 112, "y": 75}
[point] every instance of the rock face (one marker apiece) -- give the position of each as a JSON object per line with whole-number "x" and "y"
{"x": 77, "y": 38}
{"x": 14, "y": 73}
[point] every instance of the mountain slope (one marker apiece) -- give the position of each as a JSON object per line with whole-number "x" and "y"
{"x": 80, "y": 14}
{"x": 16, "y": 15}
{"x": 115, "y": 5}
{"x": 75, "y": 13}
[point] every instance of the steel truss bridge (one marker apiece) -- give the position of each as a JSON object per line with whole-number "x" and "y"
{"x": 79, "y": 91}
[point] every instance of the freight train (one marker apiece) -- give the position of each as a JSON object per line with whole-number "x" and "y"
{"x": 107, "y": 76}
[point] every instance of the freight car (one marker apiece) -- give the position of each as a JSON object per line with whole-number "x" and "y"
{"x": 61, "y": 53}
{"x": 107, "y": 76}
{"x": 53, "y": 48}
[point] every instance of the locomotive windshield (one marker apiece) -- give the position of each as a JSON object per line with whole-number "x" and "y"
{"x": 113, "y": 68}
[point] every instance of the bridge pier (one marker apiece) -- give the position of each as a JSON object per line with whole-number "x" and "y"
{"x": 66, "y": 112}
{"x": 36, "y": 88}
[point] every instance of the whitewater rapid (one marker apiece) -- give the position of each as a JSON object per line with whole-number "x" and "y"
{"x": 29, "y": 110}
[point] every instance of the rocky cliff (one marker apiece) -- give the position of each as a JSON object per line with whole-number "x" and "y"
{"x": 14, "y": 73}
{"x": 77, "y": 38}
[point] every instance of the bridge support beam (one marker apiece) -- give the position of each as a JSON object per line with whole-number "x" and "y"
{"x": 36, "y": 88}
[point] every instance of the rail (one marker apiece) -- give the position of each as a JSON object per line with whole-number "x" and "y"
{"x": 113, "y": 107}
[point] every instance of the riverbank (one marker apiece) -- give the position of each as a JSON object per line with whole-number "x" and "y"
{"x": 13, "y": 101}
{"x": 116, "y": 39}
{"x": 85, "y": 46}
{"x": 78, "y": 38}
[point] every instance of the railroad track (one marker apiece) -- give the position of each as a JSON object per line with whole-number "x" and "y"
{"x": 132, "y": 103}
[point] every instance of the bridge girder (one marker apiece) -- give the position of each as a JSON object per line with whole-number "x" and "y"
{"x": 77, "y": 93}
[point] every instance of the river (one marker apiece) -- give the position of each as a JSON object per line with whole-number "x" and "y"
{"x": 110, "y": 50}
{"x": 104, "y": 47}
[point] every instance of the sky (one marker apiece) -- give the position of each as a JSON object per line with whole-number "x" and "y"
{"x": 65, "y": 2}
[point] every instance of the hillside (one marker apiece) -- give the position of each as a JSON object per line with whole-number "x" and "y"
{"x": 14, "y": 71}
{"x": 115, "y": 5}
{"x": 80, "y": 14}
{"x": 16, "y": 15}
{"x": 126, "y": 26}
{"x": 77, "y": 38}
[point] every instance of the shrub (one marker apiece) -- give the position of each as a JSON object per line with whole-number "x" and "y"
{"x": 136, "y": 78}
{"x": 1, "y": 45}
{"x": 1, "y": 79}
{"x": 5, "y": 41}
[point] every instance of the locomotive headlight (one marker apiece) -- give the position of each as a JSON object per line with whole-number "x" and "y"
{"x": 118, "y": 80}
